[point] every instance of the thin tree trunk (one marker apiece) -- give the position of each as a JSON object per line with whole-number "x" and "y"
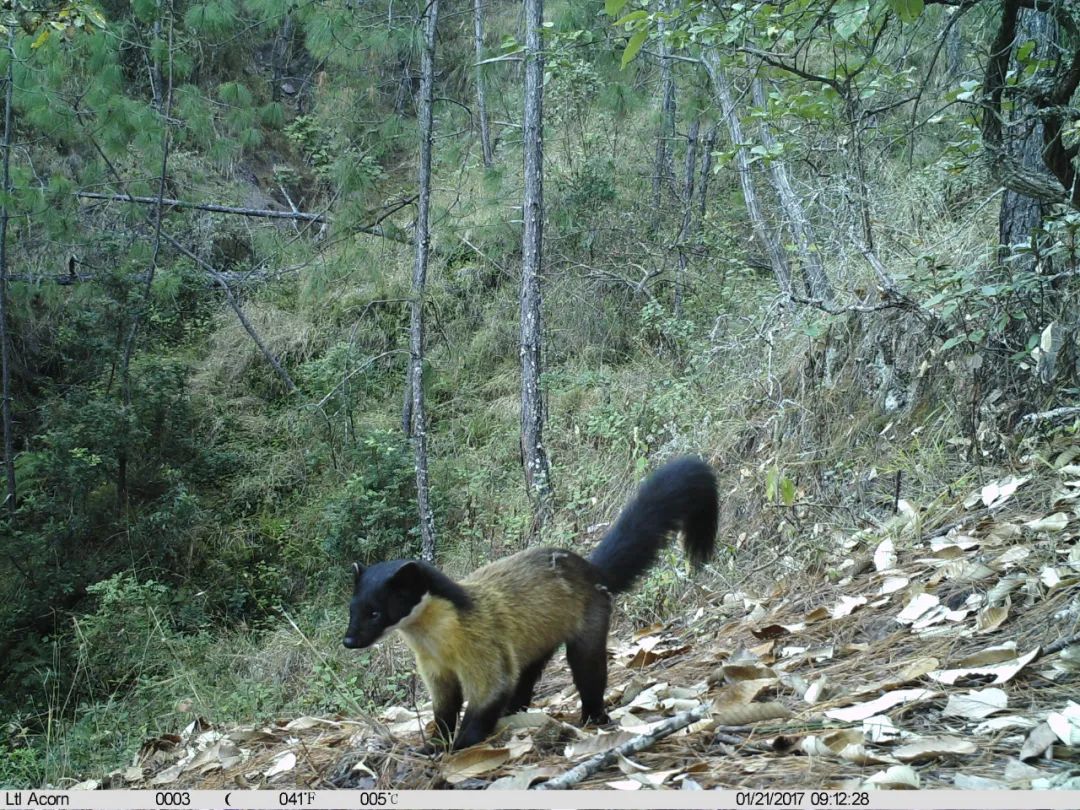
{"x": 762, "y": 233}
{"x": 534, "y": 456}
{"x": 857, "y": 167}
{"x": 418, "y": 422}
{"x": 686, "y": 229}
{"x": 954, "y": 49}
{"x": 1020, "y": 215}
{"x": 706, "y": 170}
{"x": 136, "y": 322}
{"x": 5, "y": 358}
{"x": 156, "y": 78}
{"x": 817, "y": 283}
{"x": 662, "y": 166}
{"x": 481, "y": 99}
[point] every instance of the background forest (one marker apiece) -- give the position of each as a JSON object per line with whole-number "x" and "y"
{"x": 828, "y": 244}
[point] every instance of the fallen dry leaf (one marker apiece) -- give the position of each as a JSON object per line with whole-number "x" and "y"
{"x": 976, "y": 705}
{"x": 934, "y": 748}
{"x": 1040, "y": 738}
{"x": 917, "y": 608}
{"x": 893, "y": 584}
{"x": 282, "y": 763}
{"x": 898, "y": 777}
{"x": 1066, "y": 724}
{"x": 1051, "y": 523}
{"x": 473, "y": 762}
{"x": 885, "y": 555}
{"x": 860, "y": 711}
{"x": 880, "y": 728}
{"x": 1002, "y": 672}
{"x": 990, "y": 619}
{"x": 595, "y": 743}
{"x": 847, "y": 605}
{"x": 524, "y": 778}
{"x": 996, "y": 493}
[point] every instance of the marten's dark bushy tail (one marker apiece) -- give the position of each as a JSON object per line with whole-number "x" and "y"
{"x": 681, "y": 495}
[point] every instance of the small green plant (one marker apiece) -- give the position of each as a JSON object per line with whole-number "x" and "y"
{"x": 658, "y": 327}
{"x": 20, "y": 765}
{"x": 374, "y": 513}
{"x": 125, "y": 637}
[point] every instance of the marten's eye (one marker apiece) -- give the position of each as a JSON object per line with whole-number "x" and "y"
{"x": 372, "y": 613}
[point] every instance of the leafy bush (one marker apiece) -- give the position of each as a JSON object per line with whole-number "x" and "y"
{"x": 122, "y": 640}
{"x": 374, "y": 514}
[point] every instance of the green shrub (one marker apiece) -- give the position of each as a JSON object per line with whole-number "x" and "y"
{"x": 374, "y": 514}
{"x": 125, "y": 638}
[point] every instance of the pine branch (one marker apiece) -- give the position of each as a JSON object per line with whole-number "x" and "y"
{"x": 221, "y": 209}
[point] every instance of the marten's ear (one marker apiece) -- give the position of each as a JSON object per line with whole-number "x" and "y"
{"x": 410, "y": 577}
{"x": 358, "y": 571}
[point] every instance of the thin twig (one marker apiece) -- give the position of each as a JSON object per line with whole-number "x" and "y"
{"x": 640, "y": 743}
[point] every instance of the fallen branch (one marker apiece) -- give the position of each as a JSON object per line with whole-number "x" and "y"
{"x": 1056, "y": 413}
{"x": 605, "y": 758}
{"x": 220, "y": 209}
{"x": 1058, "y": 646}
{"x": 233, "y": 277}
{"x": 834, "y": 309}
{"x": 374, "y": 229}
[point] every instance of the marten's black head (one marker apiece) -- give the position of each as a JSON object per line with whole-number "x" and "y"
{"x": 387, "y": 593}
{"x": 383, "y": 595}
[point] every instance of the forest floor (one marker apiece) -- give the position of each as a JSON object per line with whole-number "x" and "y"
{"x": 934, "y": 656}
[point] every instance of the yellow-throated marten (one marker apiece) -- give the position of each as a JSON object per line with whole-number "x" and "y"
{"x": 486, "y": 639}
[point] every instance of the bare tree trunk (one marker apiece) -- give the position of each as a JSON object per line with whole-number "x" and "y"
{"x": 663, "y": 171}
{"x": 686, "y": 229}
{"x": 419, "y": 282}
{"x": 818, "y": 287}
{"x": 706, "y": 170}
{"x": 1020, "y": 215}
{"x": 155, "y": 72}
{"x": 954, "y": 48}
{"x": 129, "y": 345}
{"x": 534, "y": 456}
{"x": 481, "y": 99}
{"x": 5, "y": 358}
{"x": 762, "y": 233}
{"x": 858, "y": 174}
{"x": 282, "y": 45}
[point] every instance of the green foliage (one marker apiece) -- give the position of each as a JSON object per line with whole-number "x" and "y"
{"x": 374, "y": 514}
{"x": 127, "y": 636}
{"x": 658, "y": 327}
{"x": 20, "y": 765}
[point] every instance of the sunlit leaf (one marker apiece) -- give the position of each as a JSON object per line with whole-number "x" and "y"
{"x": 633, "y": 46}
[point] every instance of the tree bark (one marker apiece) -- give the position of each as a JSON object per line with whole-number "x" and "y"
{"x": 5, "y": 356}
{"x": 687, "y": 227}
{"x": 817, "y": 282}
{"x": 481, "y": 98}
{"x": 418, "y": 420}
{"x": 534, "y": 455}
{"x": 954, "y": 49}
{"x": 663, "y": 172}
{"x": 706, "y": 171}
{"x": 1024, "y": 139}
{"x": 765, "y": 237}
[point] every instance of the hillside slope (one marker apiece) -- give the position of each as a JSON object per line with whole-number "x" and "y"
{"x": 944, "y": 653}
